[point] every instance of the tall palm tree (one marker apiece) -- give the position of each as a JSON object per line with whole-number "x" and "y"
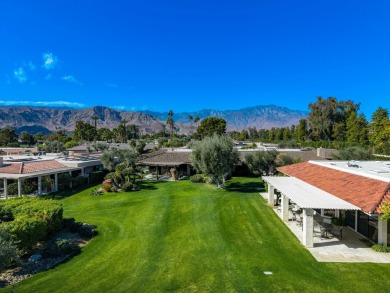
{"x": 124, "y": 121}
{"x": 190, "y": 118}
{"x": 170, "y": 122}
{"x": 95, "y": 118}
{"x": 196, "y": 120}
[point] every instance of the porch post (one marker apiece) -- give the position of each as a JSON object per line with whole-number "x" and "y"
{"x": 307, "y": 238}
{"x": 39, "y": 185}
{"x": 5, "y": 188}
{"x": 188, "y": 170}
{"x": 56, "y": 182}
{"x": 322, "y": 212}
{"x": 382, "y": 231}
{"x": 337, "y": 213}
{"x": 157, "y": 172}
{"x": 356, "y": 220}
{"x": 19, "y": 187}
{"x": 271, "y": 195}
{"x": 284, "y": 210}
{"x": 70, "y": 182}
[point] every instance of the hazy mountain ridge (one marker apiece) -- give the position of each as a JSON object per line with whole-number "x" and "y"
{"x": 24, "y": 117}
{"x": 266, "y": 116}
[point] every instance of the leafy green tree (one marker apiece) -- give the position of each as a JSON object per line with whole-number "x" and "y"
{"x": 210, "y": 126}
{"x": 380, "y": 129}
{"x": 357, "y": 129}
{"x": 54, "y": 146}
{"x": 27, "y": 138}
{"x": 262, "y": 162}
{"x": 104, "y": 134}
{"x": 84, "y": 131}
{"x": 302, "y": 130}
{"x": 354, "y": 153}
{"x": 215, "y": 157}
{"x": 8, "y": 136}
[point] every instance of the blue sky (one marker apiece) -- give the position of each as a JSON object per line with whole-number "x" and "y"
{"x": 191, "y": 55}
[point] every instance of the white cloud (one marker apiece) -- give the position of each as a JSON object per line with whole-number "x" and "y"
{"x": 124, "y": 108}
{"x": 20, "y": 75}
{"x": 72, "y": 79}
{"x": 49, "y": 61}
{"x": 42, "y": 104}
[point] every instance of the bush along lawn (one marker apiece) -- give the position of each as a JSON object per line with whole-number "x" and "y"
{"x": 186, "y": 237}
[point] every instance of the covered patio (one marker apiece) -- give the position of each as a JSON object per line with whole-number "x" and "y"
{"x": 345, "y": 246}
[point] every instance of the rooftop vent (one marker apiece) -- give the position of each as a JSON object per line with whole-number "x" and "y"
{"x": 353, "y": 164}
{"x": 380, "y": 171}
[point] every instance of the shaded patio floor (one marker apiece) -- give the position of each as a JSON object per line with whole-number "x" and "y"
{"x": 348, "y": 249}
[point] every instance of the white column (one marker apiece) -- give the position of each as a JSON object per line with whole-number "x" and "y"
{"x": 382, "y": 231}
{"x": 82, "y": 172}
{"x": 19, "y": 187}
{"x": 70, "y": 181}
{"x": 284, "y": 210}
{"x": 271, "y": 195}
{"x": 5, "y": 188}
{"x": 322, "y": 212}
{"x": 307, "y": 238}
{"x": 55, "y": 182}
{"x": 39, "y": 185}
{"x": 337, "y": 213}
{"x": 356, "y": 220}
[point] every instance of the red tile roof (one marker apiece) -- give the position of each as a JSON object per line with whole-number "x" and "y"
{"x": 30, "y": 167}
{"x": 363, "y": 192}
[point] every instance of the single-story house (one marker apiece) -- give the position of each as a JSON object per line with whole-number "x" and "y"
{"x": 353, "y": 190}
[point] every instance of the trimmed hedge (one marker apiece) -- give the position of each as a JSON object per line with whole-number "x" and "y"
{"x": 29, "y": 220}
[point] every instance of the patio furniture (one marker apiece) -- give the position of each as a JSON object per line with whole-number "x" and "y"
{"x": 299, "y": 220}
{"x": 337, "y": 232}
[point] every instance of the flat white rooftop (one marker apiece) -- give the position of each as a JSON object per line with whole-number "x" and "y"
{"x": 379, "y": 170}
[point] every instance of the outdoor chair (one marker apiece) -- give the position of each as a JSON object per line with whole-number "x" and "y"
{"x": 299, "y": 220}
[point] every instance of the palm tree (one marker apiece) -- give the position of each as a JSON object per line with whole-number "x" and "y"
{"x": 124, "y": 137}
{"x": 95, "y": 118}
{"x": 190, "y": 118}
{"x": 170, "y": 122}
{"x": 196, "y": 120}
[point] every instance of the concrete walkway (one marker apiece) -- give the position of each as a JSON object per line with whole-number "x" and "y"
{"x": 331, "y": 249}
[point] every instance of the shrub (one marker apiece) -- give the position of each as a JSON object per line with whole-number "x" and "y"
{"x": 114, "y": 188}
{"x": 25, "y": 231}
{"x": 13, "y": 188}
{"x": 68, "y": 222}
{"x": 96, "y": 176}
{"x": 127, "y": 186}
{"x": 198, "y": 178}
{"x": 107, "y": 187}
{"x": 60, "y": 247}
{"x": 96, "y": 191}
{"x": 381, "y": 248}
{"x": 9, "y": 253}
{"x": 87, "y": 231}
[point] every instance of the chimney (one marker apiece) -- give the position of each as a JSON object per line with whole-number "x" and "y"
{"x": 321, "y": 152}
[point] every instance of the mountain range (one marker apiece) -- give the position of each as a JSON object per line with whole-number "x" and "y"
{"x": 44, "y": 119}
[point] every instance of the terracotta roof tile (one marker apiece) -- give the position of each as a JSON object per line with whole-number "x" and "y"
{"x": 365, "y": 193}
{"x": 30, "y": 167}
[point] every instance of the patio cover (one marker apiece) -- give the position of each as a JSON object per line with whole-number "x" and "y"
{"x": 306, "y": 195}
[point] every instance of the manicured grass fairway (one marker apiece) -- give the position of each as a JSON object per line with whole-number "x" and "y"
{"x": 179, "y": 236}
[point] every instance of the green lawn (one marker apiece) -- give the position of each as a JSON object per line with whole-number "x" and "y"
{"x": 185, "y": 237}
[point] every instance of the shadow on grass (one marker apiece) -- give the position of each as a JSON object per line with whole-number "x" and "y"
{"x": 69, "y": 192}
{"x": 149, "y": 184}
{"x": 250, "y": 187}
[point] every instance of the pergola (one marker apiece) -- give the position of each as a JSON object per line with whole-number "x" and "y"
{"x": 306, "y": 196}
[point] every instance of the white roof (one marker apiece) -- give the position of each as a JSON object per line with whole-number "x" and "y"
{"x": 306, "y": 195}
{"x": 379, "y": 170}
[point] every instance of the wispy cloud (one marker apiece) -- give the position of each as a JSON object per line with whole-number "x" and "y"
{"x": 49, "y": 61}
{"x": 124, "y": 108}
{"x": 111, "y": 85}
{"x": 30, "y": 65}
{"x": 42, "y": 104}
{"x": 20, "y": 75}
{"x": 71, "y": 78}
